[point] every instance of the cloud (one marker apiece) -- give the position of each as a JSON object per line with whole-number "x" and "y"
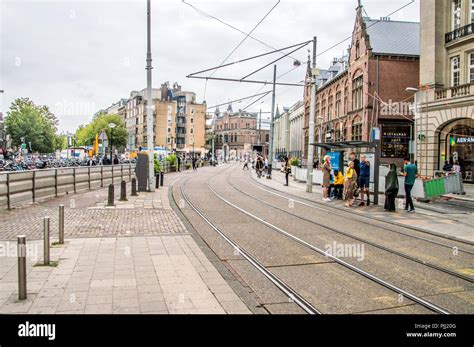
{"x": 92, "y": 53}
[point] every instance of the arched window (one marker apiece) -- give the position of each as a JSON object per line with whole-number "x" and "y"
{"x": 357, "y": 49}
{"x": 356, "y": 129}
{"x": 357, "y": 92}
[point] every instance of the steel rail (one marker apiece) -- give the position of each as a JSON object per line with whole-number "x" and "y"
{"x": 329, "y": 208}
{"x": 291, "y": 293}
{"x": 364, "y": 273}
{"x": 401, "y": 254}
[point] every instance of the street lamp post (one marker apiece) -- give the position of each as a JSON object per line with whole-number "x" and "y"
{"x": 417, "y": 115}
{"x": 312, "y": 113}
{"x": 111, "y": 126}
{"x": 149, "y": 106}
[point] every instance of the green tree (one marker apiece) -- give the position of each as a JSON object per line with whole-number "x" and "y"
{"x": 36, "y": 124}
{"x": 60, "y": 142}
{"x": 86, "y": 134}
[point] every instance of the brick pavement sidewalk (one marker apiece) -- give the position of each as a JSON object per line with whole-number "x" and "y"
{"x": 141, "y": 259}
{"x": 430, "y": 221}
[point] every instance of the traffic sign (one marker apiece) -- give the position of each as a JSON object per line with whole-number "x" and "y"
{"x": 103, "y": 135}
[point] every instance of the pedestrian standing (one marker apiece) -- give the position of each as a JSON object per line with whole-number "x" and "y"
{"x": 326, "y": 168}
{"x": 287, "y": 170}
{"x": 391, "y": 188}
{"x": 194, "y": 162}
{"x": 265, "y": 167}
{"x": 364, "y": 180}
{"x": 410, "y": 171}
{"x": 178, "y": 160}
{"x": 338, "y": 184}
{"x": 259, "y": 167}
{"x": 116, "y": 160}
{"x": 456, "y": 167}
{"x": 350, "y": 184}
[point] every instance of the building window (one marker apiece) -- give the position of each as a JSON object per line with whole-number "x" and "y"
{"x": 338, "y": 104}
{"x": 330, "y": 107}
{"x": 456, "y": 14}
{"x": 455, "y": 71}
{"x": 357, "y": 92}
{"x": 323, "y": 108}
{"x": 472, "y": 11}
{"x": 356, "y": 131}
{"x": 346, "y": 100}
{"x": 357, "y": 50}
{"x": 471, "y": 67}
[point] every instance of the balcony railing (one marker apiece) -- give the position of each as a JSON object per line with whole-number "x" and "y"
{"x": 460, "y": 32}
{"x": 454, "y": 92}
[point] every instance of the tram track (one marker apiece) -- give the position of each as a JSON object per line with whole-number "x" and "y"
{"x": 368, "y": 242}
{"x": 366, "y": 219}
{"x": 291, "y": 293}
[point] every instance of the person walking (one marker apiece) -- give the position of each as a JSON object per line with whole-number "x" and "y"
{"x": 287, "y": 170}
{"x": 326, "y": 168}
{"x": 350, "y": 184}
{"x": 265, "y": 167}
{"x": 116, "y": 160}
{"x": 194, "y": 162}
{"x": 391, "y": 188}
{"x": 410, "y": 171}
{"x": 178, "y": 161}
{"x": 364, "y": 180}
{"x": 246, "y": 164}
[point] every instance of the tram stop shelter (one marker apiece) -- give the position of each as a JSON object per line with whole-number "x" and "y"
{"x": 373, "y": 147}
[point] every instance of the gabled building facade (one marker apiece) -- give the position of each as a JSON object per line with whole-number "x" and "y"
{"x": 366, "y": 89}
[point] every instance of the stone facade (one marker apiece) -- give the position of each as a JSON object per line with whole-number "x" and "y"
{"x": 445, "y": 120}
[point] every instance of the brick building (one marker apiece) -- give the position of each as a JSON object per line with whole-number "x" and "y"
{"x": 237, "y": 132}
{"x": 367, "y": 88}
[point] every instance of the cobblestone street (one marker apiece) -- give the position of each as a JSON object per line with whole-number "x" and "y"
{"x": 136, "y": 257}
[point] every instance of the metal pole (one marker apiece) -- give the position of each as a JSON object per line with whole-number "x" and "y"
{"x": 270, "y": 145}
{"x": 21, "y": 250}
{"x": 426, "y": 134}
{"x": 111, "y": 137}
{"x": 149, "y": 106}
{"x": 312, "y": 113}
{"x": 46, "y": 240}
{"x": 213, "y": 149}
{"x": 260, "y": 129}
{"x": 61, "y": 224}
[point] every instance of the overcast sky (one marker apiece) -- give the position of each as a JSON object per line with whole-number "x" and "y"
{"x": 78, "y": 57}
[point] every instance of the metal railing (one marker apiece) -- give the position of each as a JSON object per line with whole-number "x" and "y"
{"x": 460, "y": 32}
{"x": 19, "y": 188}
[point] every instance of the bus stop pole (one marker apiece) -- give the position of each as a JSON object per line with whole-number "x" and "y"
{"x": 378, "y": 151}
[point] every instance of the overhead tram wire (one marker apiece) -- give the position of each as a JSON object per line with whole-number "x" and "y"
{"x": 205, "y": 14}
{"x": 241, "y": 99}
{"x": 247, "y": 36}
{"x": 342, "y": 41}
{"x": 240, "y": 43}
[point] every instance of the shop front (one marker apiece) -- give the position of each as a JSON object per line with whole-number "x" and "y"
{"x": 456, "y": 144}
{"x": 395, "y": 140}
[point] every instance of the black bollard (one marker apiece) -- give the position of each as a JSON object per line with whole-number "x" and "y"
{"x": 110, "y": 200}
{"x": 157, "y": 182}
{"x": 162, "y": 177}
{"x": 134, "y": 187}
{"x": 123, "y": 191}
